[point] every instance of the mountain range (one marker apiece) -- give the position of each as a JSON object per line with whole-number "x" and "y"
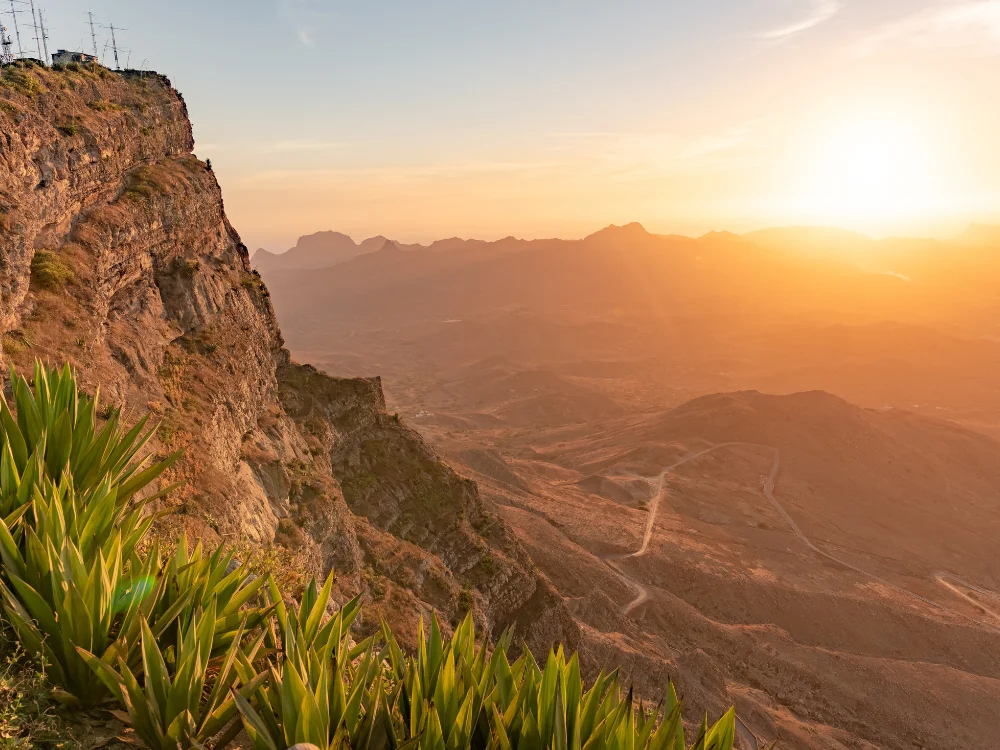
{"x": 766, "y": 463}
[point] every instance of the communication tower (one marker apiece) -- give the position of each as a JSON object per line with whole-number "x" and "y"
{"x": 45, "y": 36}
{"x": 93, "y": 34}
{"x": 34, "y": 23}
{"x": 6, "y": 55}
{"x": 17, "y": 29}
{"x": 114, "y": 43}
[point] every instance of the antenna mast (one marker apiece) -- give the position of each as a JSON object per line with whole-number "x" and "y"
{"x": 114, "y": 43}
{"x": 34, "y": 22}
{"x": 17, "y": 29}
{"x": 45, "y": 36}
{"x": 93, "y": 35}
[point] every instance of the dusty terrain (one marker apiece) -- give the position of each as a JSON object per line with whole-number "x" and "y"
{"x": 822, "y": 557}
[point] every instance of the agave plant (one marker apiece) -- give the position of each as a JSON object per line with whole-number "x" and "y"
{"x": 199, "y": 579}
{"x": 319, "y": 692}
{"x": 456, "y": 695}
{"x": 55, "y": 435}
{"x": 184, "y": 707}
{"x": 59, "y": 597}
{"x": 71, "y": 526}
{"x": 303, "y": 628}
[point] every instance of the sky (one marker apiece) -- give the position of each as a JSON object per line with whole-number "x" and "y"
{"x": 423, "y": 119}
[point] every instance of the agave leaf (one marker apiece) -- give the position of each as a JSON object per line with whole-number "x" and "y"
{"x": 13, "y": 437}
{"x": 111, "y": 679}
{"x": 256, "y": 729}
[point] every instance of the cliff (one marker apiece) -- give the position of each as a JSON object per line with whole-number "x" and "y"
{"x": 116, "y": 254}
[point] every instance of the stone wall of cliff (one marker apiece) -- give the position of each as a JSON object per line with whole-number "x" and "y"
{"x": 116, "y": 254}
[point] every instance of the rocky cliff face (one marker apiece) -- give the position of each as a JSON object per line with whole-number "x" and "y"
{"x": 116, "y": 254}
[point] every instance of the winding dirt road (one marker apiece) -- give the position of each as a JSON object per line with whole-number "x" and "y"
{"x": 948, "y": 580}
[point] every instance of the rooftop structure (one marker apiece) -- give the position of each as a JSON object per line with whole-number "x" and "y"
{"x": 65, "y": 57}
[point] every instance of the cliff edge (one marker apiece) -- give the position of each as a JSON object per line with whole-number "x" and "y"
{"x": 116, "y": 255}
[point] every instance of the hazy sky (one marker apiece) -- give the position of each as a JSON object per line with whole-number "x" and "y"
{"x": 421, "y": 119}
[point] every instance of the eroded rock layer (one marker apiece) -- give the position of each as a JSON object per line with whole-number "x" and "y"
{"x": 116, "y": 254}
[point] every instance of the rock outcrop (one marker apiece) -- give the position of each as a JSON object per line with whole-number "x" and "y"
{"x": 116, "y": 254}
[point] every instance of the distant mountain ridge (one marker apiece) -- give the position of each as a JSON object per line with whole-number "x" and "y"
{"x": 319, "y": 250}
{"x": 328, "y": 249}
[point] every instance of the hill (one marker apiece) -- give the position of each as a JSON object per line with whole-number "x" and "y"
{"x": 832, "y": 562}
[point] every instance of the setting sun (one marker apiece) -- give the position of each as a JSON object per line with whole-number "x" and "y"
{"x": 870, "y": 168}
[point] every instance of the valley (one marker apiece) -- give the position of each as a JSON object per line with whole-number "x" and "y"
{"x": 780, "y": 493}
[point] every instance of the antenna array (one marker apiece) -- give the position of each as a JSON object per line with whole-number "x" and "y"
{"x": 34, "y": 23}
{"x": 41, "y": 34}
{"x": 93, "y": 36}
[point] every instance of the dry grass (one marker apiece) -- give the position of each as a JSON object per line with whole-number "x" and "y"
{"x": 22, "y": 79}
{"x": 50, "y": 271}
{"x": 15, "y": 342}
{"x": 144, "y": 184}
{"x": 28, "y": 717}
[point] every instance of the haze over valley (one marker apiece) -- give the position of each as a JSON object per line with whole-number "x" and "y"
{"x": 764, "y": 463}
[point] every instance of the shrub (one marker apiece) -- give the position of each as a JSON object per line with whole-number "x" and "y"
{"x": 99, "y": 105}
{"x": 71, "y": 523}
{"x": 143, "y": 184}
{"x": 27, "y": 716}
{"x": 15, "y": 77}
{"x": 50, "y": 271}
{"x": 184, "y": 704}
{"x": 15, "y": 342}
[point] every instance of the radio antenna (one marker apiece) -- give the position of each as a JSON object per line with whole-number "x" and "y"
{"x": 93, "y": 34}
{"x": 114, "y": 43}
{"x": 34, "y": 22}
{"x": 6, "y": 56}
{"x": 45, "y": 36}
{"x": 17, "y": 29}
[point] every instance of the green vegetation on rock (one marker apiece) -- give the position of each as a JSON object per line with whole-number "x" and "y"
{"x": 50, "y": 271}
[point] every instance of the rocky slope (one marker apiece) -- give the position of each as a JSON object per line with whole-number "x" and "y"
{"x": 116, "y": 254}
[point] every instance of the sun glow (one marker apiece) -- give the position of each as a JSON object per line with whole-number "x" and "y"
{"x": 874, "y": 168}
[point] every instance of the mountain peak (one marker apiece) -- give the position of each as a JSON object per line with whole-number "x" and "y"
{"x": 631, "y": 231}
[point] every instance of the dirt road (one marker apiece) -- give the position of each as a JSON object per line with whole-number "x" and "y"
{"x": 953, "y": 583}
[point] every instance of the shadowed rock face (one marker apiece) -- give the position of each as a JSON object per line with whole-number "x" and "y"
{"x": 116, "y": 254}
